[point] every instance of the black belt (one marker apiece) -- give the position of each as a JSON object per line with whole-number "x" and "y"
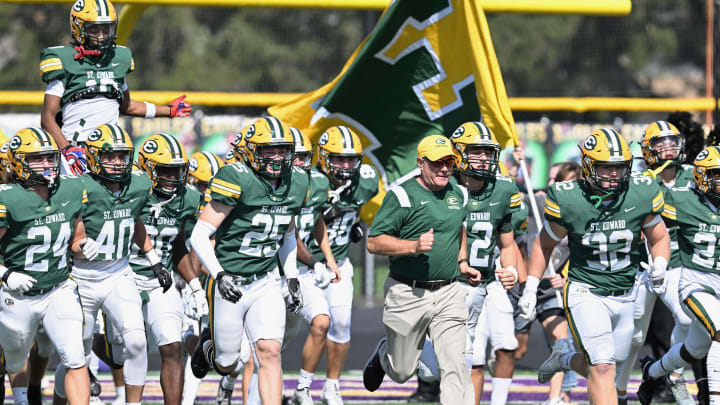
{"x": 431, "y": 285}
{"x": 609, "y": 293}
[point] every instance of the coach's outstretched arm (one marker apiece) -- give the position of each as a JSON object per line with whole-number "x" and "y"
{"x": 551, "y": 234}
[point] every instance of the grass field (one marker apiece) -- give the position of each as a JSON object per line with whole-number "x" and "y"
{"x": 525, "y": 390}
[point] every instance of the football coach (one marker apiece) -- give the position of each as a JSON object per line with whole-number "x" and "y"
{"x": 420, "y": 226}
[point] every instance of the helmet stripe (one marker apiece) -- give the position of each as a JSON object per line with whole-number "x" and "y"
{"x": 663, "y": 126}
{"x": 276, "y": 127}
{"x": 614, "y": 142}
{"x": 347, "y": 137}
{"x": 213, "y": 162}
{"x": 41, "y": 136}
{"x": 116, "y": 133}
{"x": 174, "y": 145}
{"x": 482, "y": 128}
{"x": 101, "y": 8}
{"x": 297, "y": 138}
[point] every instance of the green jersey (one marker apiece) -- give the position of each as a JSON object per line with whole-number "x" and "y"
{"x": 410, "y": 210}
{"x": 88, "y": 77}
{"x": 110, "y": 220}
{"x": 248, "y": 240}
{"x": 683, "y": 178}
{"x": 164, "y": 220}
{"x": 318, "y": 195}
{"x": 362, "y": 190}
{"x": 698, "y": 228}
{"x": 38, "y": 232}
{"x": 489, "y": 213}
{"x": 605, "y": 244}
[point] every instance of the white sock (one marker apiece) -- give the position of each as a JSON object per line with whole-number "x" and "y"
{"x": 120, "y": 393}
{"x": 305, "y": 379}
{"x": 331, "y": 383}
{"x": 191, "y": 385}
{"x": 713, "y": 372}
{"x": 20, "y": 395}
{"x": 500, "y": 390}
{"x": 667, "y": 363}
{"x": 228, "y": 382}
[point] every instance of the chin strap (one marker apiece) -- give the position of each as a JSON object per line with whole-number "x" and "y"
{"x": 82, "y": 52}
{"x": 600, "y": 198}
{"x": 654, "y": 172}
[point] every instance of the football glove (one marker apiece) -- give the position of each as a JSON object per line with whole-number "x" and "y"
{"x": 89, "y": 249}
{"x": 18, "y": 282}
{"x": 197, "y": 301}
{"x": 656, "y": 274}
{"x": 322, "y": 275}
{"x": 296, "y": 300}
{"x": 179, "y": 108}
{"x": 528, "y": 300}
{"x": 357, "y": 233}
{"x": 163, "y": 276}
{"x": 228, "y": 289}
{"x": 75, "y": 158}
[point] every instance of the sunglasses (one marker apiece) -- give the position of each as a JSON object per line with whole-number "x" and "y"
{"x": 437, "y": 164}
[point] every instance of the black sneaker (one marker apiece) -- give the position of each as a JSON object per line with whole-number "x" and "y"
{"x": 34, "y": 394}
{"x": 648, "y": 385}
{"x": 198, "y": 362}
{"x": 420, "y": 396}
{"x": 95, "y": 388}
{"x": 373, "y": 372}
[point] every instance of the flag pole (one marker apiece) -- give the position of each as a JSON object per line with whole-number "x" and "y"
{"x": 536, "y": 214}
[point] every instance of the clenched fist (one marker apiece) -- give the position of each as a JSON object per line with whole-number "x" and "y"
{"x": 425, "y": 242}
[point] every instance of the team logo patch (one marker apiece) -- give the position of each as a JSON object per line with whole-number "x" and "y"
{"x": 702, "y": 155}
{"x": 15, "y": 142}
{"x": 95, "y": 135}
{"x": 590, "y": 142}
{"x": 150, "y": 146}
{"x": 9, "y": 302}
{"x": 79, "y": 5}
{"x": 324, "y": 139}
{"x": 250, "y": 131}
{"x": 458, "y": 132}
{"x": 453, "y": 203}
{"x": 193, "y": 165}
{"x": 440, "y": 141}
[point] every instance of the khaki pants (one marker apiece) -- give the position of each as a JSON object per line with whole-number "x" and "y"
{"x": 412, "y": 313}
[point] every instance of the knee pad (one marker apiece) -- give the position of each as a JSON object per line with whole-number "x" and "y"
{"x": 71, "y": 357}
{"x": 135, "y": 343}
{"x": 713, "y": 359}
{"x": 339, "y": 331}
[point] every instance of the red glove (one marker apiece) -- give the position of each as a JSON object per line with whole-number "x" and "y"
{"x": 75, "y": 158}
{"x": 179, "y": 108}
{"x": 82, "y": 52}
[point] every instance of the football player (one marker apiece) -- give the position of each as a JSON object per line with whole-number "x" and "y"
{"x": 39, "y": 217}
{"x": 603, "y": 217}
{"x": 86, "y": 83}
{"x": 315, "y": 275}
{"x": 113, "y": 221}
{"x": 352, "y": 184}
{"x": 698, "y": 230}
{"x": 663, "y": 151}
{"x": 170, "y": 208}
{"x": 492, "y": 201}
{"x": 251, "y": 216}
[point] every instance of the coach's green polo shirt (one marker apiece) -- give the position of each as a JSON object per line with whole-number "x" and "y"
{"x": 408, "y": 211}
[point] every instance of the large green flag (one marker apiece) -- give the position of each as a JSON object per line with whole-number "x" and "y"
{"x": 427, "y": 67}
